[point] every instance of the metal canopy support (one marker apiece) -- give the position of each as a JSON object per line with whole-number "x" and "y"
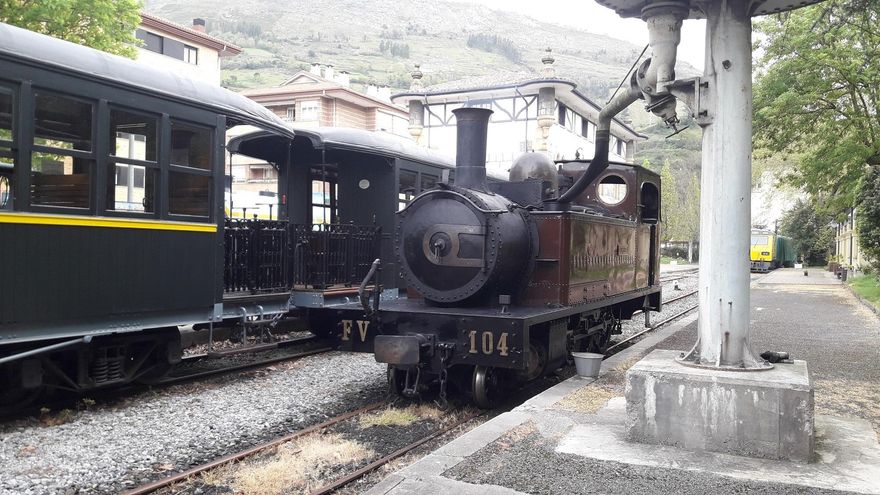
{"x": 725, "y": 205}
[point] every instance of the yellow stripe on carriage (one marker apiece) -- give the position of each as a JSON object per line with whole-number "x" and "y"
{"x": 105, "y": 222}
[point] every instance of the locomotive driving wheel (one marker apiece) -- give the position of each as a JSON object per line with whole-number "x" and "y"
{"x": 486, "y": 386}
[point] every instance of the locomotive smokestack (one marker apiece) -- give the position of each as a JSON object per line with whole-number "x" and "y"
{"x": 470, "y": 149}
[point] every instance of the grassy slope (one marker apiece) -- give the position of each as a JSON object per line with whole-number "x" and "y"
{"x": 347, "y": 33}
{"x": 867, "y": 287}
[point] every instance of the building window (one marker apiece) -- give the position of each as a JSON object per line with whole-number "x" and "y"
{"x": 190, "y": 54}
{"x": 291, "y": 114}
{"x": 621, "y": 147}
{"x": 152, "y": 42}
{"x": 562, "y": 111}
{"x": 308, "y": 111}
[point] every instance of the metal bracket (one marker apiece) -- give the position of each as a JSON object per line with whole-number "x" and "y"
{"x": 694, "y": 93}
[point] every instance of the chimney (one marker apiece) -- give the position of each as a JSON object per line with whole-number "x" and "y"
{"x": 472, "y": 131}
{"x": 199, "y": 24}
{"x": 548, "y": 71}
{"x": 372, "y": 90}
{"x": 384, "y": 93}
{"x": 328, "y": 72}
{"x": 343, "y": 79}
{"x": 316, "y": 69}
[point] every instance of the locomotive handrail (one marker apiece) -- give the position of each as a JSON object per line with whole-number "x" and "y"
{"x": 362, "y": 290}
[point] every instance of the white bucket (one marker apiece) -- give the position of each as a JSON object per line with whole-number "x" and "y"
{"x": 587, "y": 363}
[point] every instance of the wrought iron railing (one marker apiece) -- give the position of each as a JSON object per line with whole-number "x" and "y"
{"x": 257, "y": 258}
{"x": 333, "y": 255}
{"x": 265, "y": 256}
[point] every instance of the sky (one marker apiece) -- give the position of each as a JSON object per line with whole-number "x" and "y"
{"x": 592, "y": 17}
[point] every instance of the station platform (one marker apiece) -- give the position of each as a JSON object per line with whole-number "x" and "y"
{"x": 570, "y": 438}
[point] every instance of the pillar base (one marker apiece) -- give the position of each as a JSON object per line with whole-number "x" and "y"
{"x": 767, "y": 414}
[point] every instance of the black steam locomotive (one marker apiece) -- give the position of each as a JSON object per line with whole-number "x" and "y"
{"x": 505, "y": 280}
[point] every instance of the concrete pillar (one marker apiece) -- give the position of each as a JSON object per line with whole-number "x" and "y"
{"x": 726, "y": 191}
{"x": 546, "y": 117}
{"x": 416, "y": 119}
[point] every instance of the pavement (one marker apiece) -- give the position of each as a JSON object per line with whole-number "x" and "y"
{"x": 570, "y": 438}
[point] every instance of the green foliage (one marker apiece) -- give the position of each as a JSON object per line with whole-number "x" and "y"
{"x": 670, "y": 211}
{"x": 690, "y": 211}
{"x": 809, "y": 230}
{"x": 394, "y": 48}
{"x": 495, "y": 44}
{"x": 817, "y": 95}
{"x": 107, "y": 25}
{"x": 868, "y": 213}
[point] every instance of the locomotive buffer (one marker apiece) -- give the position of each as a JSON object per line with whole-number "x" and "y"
{"x": 718, "y": 396}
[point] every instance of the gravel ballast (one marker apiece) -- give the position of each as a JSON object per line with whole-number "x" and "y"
{"x": 111, "y": 448}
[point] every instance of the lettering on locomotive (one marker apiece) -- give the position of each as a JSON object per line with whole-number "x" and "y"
{"x": 362, "y": 325}
{"x": 487, "y": 343}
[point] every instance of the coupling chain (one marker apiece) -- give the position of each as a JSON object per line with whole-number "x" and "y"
{"x": 445, "y": 356}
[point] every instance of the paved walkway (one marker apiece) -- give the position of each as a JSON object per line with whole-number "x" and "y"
{"x": 569, "y": 439}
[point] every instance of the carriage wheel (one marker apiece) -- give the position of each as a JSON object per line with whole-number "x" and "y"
{"x": 486, "y": 387}
{"x": 14, "y": 397}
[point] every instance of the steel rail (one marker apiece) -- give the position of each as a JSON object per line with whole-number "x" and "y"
{"x": 653, "y": 327}
{"x": 183, "y": 475}
{"x": 335, "y": 485}
{"x": 239, "y": 367}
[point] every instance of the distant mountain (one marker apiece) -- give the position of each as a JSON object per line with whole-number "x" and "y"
{"x": 379, "y": 41}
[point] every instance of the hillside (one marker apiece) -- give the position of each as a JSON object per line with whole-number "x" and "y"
{"x": 379, "y": 41}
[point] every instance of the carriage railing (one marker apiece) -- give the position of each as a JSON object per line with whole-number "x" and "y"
{"x": 333, "y": 255}
{"x": 268, "y": 256}
{"x": 257, "y": 256}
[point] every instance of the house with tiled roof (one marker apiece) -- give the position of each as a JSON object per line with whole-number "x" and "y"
{"x": 323, "y": 96}
{"x": 532, "y": 112}
{"x": 187, "y": 50}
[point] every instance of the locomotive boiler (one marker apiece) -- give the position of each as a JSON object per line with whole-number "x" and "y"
{"x": 506, "y": 279}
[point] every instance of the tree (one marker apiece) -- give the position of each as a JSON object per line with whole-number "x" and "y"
{"x": 868, "y": 214}
{"x": 107, "y": 25}
{"x": 690, "y": 213}
{"x": 809, "y": 230}
{"x": 816, "y": 94}
{"x": 670, "y": 213}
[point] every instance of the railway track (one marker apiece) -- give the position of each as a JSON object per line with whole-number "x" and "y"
{"x": 176, "y": 376}
{"x": 341, "y": 482}
{"x": 678, "y": 274}
{"x": 328, "y": 487}
{"x": 192, "y": 368}
{"x": 610, "y": 351}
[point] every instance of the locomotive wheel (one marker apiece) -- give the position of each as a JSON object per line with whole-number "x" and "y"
{"x": 486, "y": 387}
{"x": 536, "y": 361}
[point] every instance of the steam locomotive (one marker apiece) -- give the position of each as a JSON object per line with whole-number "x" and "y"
{"x": 505, "y": 280}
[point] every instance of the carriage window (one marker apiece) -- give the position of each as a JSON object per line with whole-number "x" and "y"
{"x": 428, "y": 182}
{"x": 611, "y": 190}
{"x": 60, "y": 180}
{"x": 134, "y": 136}
{"x": 62, "y": 161}
{"x": 190, "y": 145}
{"x": 5, "y": 118}
{"x": 62, "y": 123}
{"x": 323, "y": 199}
{"x": 189, "y": 194}
{"x": 407, "y": 188}
{"x": 131, "y": 188}
{"x": 6, "y": 157}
